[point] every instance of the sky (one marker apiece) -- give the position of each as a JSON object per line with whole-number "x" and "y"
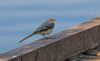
{"x": 19, "y": 18}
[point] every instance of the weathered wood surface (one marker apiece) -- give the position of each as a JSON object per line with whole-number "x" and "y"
{"x": 60, "y": 46}
{"x": 2, "y": 59}
{"x": 90, "y": 55}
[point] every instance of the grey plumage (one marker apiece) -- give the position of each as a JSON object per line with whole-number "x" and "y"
{"x": 44, "y": 29}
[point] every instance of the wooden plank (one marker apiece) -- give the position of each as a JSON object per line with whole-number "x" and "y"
{"x": 2, "y": 59}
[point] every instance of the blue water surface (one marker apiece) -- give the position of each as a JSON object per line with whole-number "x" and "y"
{"x": 19, "y": 18}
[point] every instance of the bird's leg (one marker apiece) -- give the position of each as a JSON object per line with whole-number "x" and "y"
{"x": 44, "y": 36}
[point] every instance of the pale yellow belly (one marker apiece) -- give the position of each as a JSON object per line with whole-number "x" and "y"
{"x": 46, "y": 32}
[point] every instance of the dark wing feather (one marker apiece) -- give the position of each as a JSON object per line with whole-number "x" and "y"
{"x": 45, "y": 26}
{"x": 43, "y": 29}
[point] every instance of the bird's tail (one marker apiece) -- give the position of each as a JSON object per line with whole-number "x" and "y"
{"x": 26, "y": 38}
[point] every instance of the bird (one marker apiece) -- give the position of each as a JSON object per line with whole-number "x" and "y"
{"x": 45, "y": 28}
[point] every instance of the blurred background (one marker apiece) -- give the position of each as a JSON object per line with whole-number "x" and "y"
{"x": 19, "y": 18}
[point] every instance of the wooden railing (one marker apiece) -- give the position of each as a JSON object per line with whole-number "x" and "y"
{"x": 60, "y": 46}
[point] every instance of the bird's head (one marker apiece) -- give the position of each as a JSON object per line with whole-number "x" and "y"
{"x": 51, "y": 20}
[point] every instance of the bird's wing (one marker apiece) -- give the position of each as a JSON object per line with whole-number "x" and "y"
{"x": 44, "y": 28}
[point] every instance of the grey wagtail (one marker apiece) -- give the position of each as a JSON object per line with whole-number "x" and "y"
{"x": 44, "y": 29}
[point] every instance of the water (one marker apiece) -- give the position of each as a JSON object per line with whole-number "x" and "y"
{"x": 19, "y": 18}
